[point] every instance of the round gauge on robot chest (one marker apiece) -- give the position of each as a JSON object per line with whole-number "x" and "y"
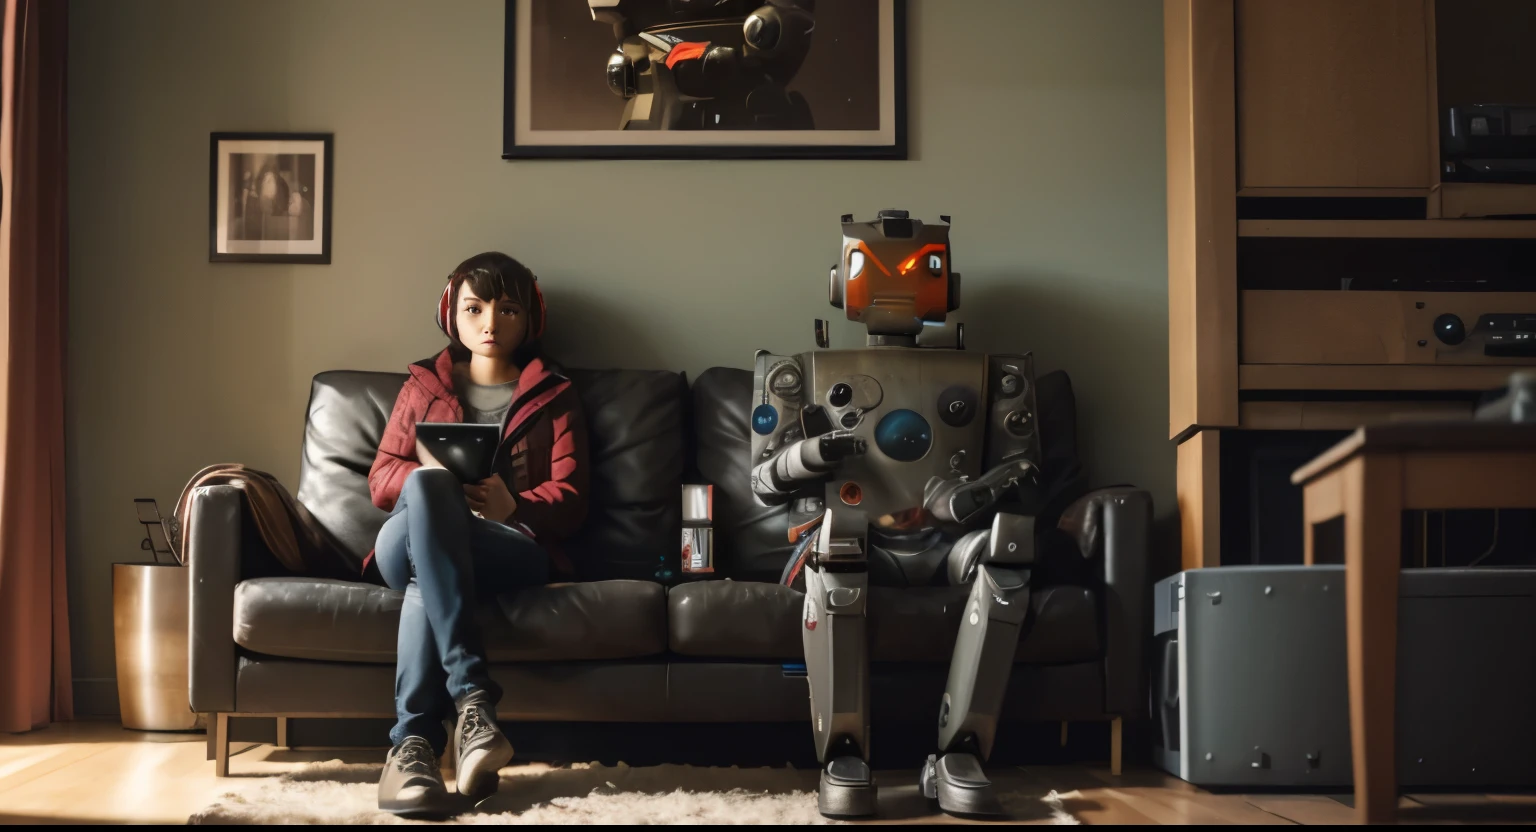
{"x": 904, "y": 435}
{"x": 862, "y": 393}
{"x": 1020, "y": 423}
{"x": 765, "y": 417}
{"x": 1011, "y": 384}
{"x": 840, "y": 394}
{"x": 957, "y": 405}
{"x": 784, "y": 381}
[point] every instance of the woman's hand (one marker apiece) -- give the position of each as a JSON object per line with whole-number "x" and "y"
{"x": 491, "y": 498}
{"x": 425, "y": 456}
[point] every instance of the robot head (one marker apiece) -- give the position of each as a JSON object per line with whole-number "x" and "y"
{"x": 894, "y": 274}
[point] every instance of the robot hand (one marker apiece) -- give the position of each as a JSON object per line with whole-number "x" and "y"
{"x": 960, "y": 500}
{"x": 841, "y": 444}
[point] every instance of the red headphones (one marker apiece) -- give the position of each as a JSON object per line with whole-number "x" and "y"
{"x": 444, "y": 311}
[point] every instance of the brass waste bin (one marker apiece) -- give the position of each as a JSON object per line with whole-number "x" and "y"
{"x": 149, "y": 616}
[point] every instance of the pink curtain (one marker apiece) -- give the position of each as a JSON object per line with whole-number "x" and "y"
{"x": 34, "y": 275}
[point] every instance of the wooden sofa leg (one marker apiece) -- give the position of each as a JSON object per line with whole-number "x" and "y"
{"x": 220, "y": 730}
{"x": 212, "y": 721}
{"x": 1114, "y": 747}
{"x": 282, "y": 732}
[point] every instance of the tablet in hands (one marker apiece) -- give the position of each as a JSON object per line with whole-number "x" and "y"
{"x": 467, "y": 450}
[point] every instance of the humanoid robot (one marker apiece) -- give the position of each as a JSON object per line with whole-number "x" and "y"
{"x": 894, "y": 458}
{"x": 708, "y": 64}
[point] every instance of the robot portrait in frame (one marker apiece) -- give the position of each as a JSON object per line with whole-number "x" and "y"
{"x": 705, "y": 79}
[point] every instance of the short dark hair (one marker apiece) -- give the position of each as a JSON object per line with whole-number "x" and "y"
{"x": 490, "y": 276}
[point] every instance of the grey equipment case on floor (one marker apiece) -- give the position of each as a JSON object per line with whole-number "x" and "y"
{"x": 1250, "y": 682}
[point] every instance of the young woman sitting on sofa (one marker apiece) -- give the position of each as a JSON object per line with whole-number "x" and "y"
{"x": 448, "y": 545}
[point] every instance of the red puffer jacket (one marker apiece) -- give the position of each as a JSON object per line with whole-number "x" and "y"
{"x": 546, "y": 471}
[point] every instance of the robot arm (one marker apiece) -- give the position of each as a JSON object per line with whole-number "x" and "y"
{"x": 960, "y": 500}
{"x": 808, "y": 460}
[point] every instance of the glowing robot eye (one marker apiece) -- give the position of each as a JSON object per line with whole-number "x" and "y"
{"x": 855, "y": 264}
{"x": 935, "y": 264}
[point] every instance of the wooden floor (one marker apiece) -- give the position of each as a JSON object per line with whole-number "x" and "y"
{"x": 98, "y": 772}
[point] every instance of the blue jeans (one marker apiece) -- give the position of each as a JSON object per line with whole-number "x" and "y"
{"x": 446, "y": 559}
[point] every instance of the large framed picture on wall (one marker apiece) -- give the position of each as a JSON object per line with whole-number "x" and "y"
{"x": 269, "y": 198}
{"x": 732, "y": 79}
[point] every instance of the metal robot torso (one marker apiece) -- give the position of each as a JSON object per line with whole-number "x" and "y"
{"x": 926, "y": 415}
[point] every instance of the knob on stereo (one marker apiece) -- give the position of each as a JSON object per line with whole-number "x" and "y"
{"x": 1450, "y": 330}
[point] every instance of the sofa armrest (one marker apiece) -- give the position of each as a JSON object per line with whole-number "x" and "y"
{"x": 213, "y": 554}
{"x": 1115, "y": 524}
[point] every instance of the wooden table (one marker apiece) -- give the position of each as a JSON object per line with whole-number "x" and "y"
{"x": 1369, "y": 479}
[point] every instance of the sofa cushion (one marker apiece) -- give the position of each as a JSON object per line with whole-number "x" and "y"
{"x": 750, "y": 539}
{"x": 311, "y": 618}
{"x": 741, "y": 619}
{"x": 342, "y": 431}
{"x": 635, "y": 424}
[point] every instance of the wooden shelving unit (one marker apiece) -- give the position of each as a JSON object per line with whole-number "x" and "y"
{"x": 1343, "y": 415}
{"x": 1370, "y": 377}
{"x": 1319, "y": 100}
{"x": 1344, "y": 192}
{"x": 1459, "y": 200}
{"x": 1467, "y": 229}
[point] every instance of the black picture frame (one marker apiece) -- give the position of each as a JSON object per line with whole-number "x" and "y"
{"x": 326, "y": 193}
{"x": 897, "y": 149}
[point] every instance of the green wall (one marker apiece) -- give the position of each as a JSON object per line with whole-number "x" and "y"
{"x": 1038, "y": 124}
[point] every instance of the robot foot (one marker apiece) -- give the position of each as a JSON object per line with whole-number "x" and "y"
{"x": 961, "y": 787}
{"x": 847, "y": 789}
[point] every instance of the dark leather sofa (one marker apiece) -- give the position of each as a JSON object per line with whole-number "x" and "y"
{"x": 636, "y": 641}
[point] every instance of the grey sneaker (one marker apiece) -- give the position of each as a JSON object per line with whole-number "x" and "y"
{"x": 412, "y": 785}
{"x": 483, "y": 750}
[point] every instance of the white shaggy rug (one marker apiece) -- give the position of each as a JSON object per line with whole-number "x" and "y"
{"x": 343, "y": 793}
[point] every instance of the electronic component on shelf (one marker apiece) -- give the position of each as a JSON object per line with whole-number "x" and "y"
{"x": 1507, "y": 335}
{"x": 1500, "y": 335}
{"x": 1489, "y": 143}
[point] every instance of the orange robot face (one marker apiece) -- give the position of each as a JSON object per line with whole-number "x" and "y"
{"x": 895, "y": 274}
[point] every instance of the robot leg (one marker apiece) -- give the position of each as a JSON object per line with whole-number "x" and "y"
{"x": 837, "y": 664}
{"x": 994, "y": 616}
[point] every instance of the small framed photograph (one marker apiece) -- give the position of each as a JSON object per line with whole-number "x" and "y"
{"x": 722, "y": 79}
{"x": 269, "y": 198}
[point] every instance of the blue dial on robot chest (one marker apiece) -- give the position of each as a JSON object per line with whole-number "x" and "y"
{"x": 904, "y": 435}
{"x": 765, "y": 417}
